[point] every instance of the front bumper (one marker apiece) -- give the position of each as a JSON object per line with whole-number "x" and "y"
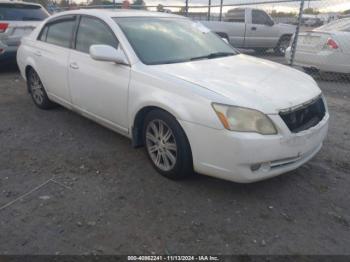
{"x": 325, "y": 60}
{"x": 250, "y": 157}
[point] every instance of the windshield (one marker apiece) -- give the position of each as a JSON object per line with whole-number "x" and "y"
{"x": 22, "y": 12}
{"x": 339, "y": 25}
{"x": 172, "y": 40}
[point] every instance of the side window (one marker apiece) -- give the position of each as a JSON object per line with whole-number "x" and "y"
{"x": 92, "y": 31}
{"x": 60, "y": 33}
{"x": 260, "y": 18}
{"x": 237, "y": 16}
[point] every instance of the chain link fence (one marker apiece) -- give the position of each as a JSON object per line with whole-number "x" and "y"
{"x": 310, "y": 35}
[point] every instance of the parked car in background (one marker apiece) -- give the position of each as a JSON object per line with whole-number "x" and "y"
{"x": 249, "y": 28}
{"x": 178, "y": 89}
{"x": 313, "y": 22}
{"x": 326, "y": 48}
{"x": 17, "y": 19}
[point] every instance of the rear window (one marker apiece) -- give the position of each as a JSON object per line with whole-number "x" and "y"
{"x": 339, "y": 25}
{"x": 237, "y": 16}
{"x": 59, "y": 33}
{"x": 22, "y": 12}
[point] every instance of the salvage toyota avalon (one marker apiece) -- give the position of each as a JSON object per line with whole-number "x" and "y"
{"x": 174, "y": 87}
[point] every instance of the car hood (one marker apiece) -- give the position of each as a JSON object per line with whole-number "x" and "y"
{"x": 248, "y": 81}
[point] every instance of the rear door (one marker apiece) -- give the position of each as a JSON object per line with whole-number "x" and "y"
{"x": 51, "y": 53}
{"x": 261, "y": 31}
{"x": 18, "y": 20}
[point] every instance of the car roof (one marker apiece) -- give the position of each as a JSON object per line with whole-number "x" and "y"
{"x": 118, "y": 13}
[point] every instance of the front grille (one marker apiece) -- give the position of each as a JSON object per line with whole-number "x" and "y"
{"x": 304, "y": 117}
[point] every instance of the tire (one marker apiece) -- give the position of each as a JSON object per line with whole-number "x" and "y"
{"x": 37, "y": 91}
{"x": 311, "y": 71}
{"x": 260, "y": 51}
{"x": 167, "y": 146}
{"x": 282, "y": 45}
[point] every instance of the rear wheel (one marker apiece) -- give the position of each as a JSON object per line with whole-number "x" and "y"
{"x": 167, "y": 146}
{"x": 37, "y": 91}
{"x": 282, "y": 45}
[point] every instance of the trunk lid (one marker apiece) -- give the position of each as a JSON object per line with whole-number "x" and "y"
{"x": 16, "y": 30}
{"x": 312, "y": 41}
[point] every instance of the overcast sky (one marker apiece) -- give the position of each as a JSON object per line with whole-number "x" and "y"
{"x": 322, "y": 5}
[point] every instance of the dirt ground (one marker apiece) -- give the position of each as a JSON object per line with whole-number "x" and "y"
{"x": 83, "y": 189}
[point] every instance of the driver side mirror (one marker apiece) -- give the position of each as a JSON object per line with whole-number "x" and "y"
{"x": 108, "y": 53}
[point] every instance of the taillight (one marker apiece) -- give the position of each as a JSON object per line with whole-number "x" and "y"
{"x": 3, "y": 27}
{"x": 332, "y": 44}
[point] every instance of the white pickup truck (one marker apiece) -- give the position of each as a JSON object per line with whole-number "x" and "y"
{"x": 249, "y": 28}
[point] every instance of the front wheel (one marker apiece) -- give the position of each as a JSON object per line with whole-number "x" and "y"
{"x": 37, "y": 91}
{"x": 167, "y": 146}
{"x": 282, "y": 45}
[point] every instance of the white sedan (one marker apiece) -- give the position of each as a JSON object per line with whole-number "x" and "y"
{"x": 171, "y": 85}
{"x": 326, "y": 48}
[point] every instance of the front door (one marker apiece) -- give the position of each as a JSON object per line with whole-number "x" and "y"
{"x": 98, "y": 89}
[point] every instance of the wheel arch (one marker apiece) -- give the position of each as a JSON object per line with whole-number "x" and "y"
{"x": 26, "y": 72}
{"x": 138, "y": 122}
{"x": 281, "y": 37}
{"x": 30, "y": 65}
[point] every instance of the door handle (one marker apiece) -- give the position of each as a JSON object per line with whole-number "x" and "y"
{"x": 74, "y": 65}
{"x": 254, "y": 28}
{"x": 37, "y": 53}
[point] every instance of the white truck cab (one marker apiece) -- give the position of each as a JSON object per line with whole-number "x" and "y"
{"x": 250, "y": 28}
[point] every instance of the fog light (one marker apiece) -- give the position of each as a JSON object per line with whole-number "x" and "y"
{"x": 255, "y": 167}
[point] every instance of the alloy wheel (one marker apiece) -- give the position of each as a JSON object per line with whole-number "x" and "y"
{"x": 36, "y": 88}
{"x": 161, "y": 145}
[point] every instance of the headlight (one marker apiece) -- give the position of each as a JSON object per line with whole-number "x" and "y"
{"x": 244, "y": 119}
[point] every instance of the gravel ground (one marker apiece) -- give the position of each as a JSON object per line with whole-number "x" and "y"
{"x": 82, "y": 189}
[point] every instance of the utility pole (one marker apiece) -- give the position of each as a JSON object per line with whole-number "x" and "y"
{"x": 209, "y": 6}
{"x": 295, "y": 40}
{"x": 186, "y": 8}
{"x": 221, "y": 3}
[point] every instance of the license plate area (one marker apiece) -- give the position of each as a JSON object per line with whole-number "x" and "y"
{"x": 22, "y": 31}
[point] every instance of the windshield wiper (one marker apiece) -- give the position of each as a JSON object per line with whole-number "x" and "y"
{"x": 213, "y": 55}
